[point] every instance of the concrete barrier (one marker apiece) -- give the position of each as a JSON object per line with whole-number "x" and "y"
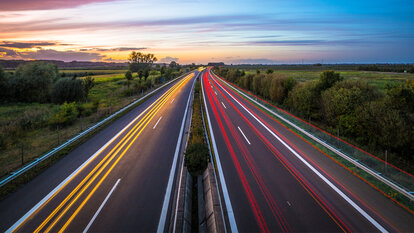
{"x": 213, "y": 216}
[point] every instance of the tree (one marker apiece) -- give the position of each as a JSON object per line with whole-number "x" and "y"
{"x": 257, "y": 84}
{"x": 88, "y": 84}
{"x": 4, "y": 85}
{"x": 33, "y": 81}
{"x": 174, "y": 65}
{"x": 401, "y": 98}
{"x": 140, "y": 74}
{"x": 269, "y": 71}
{"x": 146, "y": 73}
{"x": 339, "y": 102}
{"x": 67, "y": 114}
{"x": 162, "y": 71}
{"x": 68, "y": 90}
{"x": 277, "y": 91}
{"x": 128, "y": 76}
{"x": 303, "y": 99}
{"x": 196, "y": 157}
{"x": 382, "y": 127}
{"x": 139, "y": 61}
{"x": 328, "y": 79}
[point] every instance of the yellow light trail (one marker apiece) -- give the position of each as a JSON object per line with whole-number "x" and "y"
{"x": 123, "y": 141}
{"x": 148, "y": 119}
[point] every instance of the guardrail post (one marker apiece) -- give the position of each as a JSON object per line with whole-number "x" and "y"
{"x": 57, "y": 130}
{"x": 337, "y": 135}
{"x": 385, "y": 170}
{"x": 80, "y": 118}
{"x": 21, "y": 145}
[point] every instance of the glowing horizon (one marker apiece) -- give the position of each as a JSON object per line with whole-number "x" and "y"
{"x": 194, "y": 31}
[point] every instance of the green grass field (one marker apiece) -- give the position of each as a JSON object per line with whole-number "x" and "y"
{"x": 379, "y": 79}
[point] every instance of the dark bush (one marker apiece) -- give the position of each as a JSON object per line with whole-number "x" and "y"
{"x": 196, "y": 158}
{"x": 4, "y": 85}
{"x": 68, "y": 90}
{"x": 33, "y": 81}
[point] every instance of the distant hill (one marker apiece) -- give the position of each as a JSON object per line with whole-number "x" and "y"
{"x": 11, "y": 64}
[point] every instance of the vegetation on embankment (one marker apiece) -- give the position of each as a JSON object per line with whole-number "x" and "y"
{"x": 375, "y": 118}
{"x": 197, "y": 152}
{"x": 40, "y": 109}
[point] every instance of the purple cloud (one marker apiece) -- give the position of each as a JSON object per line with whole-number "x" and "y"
{"x": 22, "y": 5}
{"x": 253, "y": 61}
{"x": 50, "y": 54}
{"x": 26, "y": 45}
{"x": 119, "y": 49}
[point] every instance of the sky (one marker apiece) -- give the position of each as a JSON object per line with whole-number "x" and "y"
{"x": 194, "y": 31}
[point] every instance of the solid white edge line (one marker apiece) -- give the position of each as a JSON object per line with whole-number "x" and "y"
{"x": 163, "y": 217}
{"x": 230, "y": 213}
{"x": 329, "y": 183}
{"x": 100, "y": 207}
{"x": 223, "y": 105}
{"x": 243, "y": 135}
{"x": 41, "y": 202}
{"x": 157, "y": 122}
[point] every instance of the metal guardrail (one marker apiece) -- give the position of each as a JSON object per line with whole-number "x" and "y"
{"x": 394, "y": 177}
{"x": 15, "y": 174}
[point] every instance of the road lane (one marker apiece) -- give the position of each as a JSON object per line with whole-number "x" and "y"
{"x": 259, "y": 203}
{"x": 137, "y": 146}
{"x": 295, "y": 205}
{"x": 372, "y": 201}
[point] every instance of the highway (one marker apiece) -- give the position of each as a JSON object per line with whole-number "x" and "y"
{"x": 272, "y": 180}
{"x": 122, "y": 179}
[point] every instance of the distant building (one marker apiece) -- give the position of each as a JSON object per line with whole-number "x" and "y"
{"x": 215, "y": 64}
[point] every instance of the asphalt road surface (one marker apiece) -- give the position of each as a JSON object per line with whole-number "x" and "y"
{"x": 274, "y": 181}
{"x": 116, "y": 181}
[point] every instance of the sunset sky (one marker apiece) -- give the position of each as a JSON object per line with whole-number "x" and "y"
{"x": 243, "y": 31}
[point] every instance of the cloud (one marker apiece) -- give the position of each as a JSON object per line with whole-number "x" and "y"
{"x": 26, "y": 45}
{"x": 7, "y": 52}
{"x": 306, "y": 42}
{"x": 119, "y": 49}
{"x": 168, "y": 59}
{"x": 51, "y": 54}
{"x": 22, "y": 5}
{"x": 253, "y": 61}
{"x": 109, "y": 59}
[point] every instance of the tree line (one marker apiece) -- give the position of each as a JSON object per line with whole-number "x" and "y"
{"x": 375, "y": 119}
{"x": 41, "y": 82}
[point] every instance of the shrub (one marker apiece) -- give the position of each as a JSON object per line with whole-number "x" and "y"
{"x": 303, "y": 99}
{"x": 68, "y": 90}
{"x": 196, "y": 158}
{"x": 67, "y": 114}
{"x": 33, "y": 81}
{"x": 88, "y": 84}
{"x": 328, "y": 79}
{"x": 4, "y": 85}
{"x": 339, "y": 102}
